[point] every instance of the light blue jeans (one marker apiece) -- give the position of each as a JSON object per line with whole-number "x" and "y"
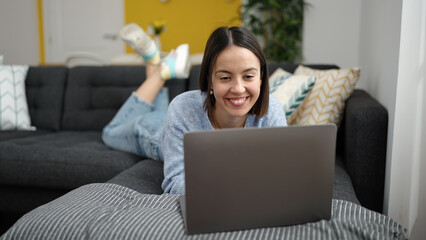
{"x": 138, "y": 125}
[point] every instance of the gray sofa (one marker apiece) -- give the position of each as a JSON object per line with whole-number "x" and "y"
{"x": 70, "y": 107}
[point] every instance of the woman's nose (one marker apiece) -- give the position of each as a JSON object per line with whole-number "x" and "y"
{"x": 238, "y": 86}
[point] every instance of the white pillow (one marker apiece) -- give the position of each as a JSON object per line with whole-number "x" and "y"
{"x": 290, "y": 90}
{"x": 14, "y": 113}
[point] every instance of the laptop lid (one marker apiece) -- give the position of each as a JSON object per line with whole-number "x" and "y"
{"x": 260, "y": 177}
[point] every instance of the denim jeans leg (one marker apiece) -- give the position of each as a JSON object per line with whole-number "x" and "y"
{"x": 149, "y": 128}
{"x": 137, "y": 126}
{"x": 161, "y": 102}
{"x": 131, "y": 109}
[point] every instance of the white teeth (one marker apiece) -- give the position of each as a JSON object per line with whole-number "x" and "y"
{"x": 238, "y": 101}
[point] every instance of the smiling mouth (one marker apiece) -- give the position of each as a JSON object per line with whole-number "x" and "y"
{"x": 237, "y": 101}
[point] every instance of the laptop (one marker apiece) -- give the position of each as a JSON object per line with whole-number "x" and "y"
{"x": 239, "y": 179}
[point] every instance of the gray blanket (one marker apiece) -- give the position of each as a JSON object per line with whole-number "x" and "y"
{"x": 110, "y": 211}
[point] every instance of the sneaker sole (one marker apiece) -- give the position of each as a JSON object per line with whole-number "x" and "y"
{"x": 182, "y": 61}
{"x": 132, "y": 33}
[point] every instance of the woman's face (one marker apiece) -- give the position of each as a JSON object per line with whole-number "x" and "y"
{"x": 236, "y": 80}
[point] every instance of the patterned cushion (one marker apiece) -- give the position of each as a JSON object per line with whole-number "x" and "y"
{"x": 110, "y": 211}
{"x": 290, "y": 90}
{"x": 326, "y": 101}
{"x": 13, "y": 101}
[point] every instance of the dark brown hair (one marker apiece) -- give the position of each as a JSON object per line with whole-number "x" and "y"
{"x": 221, "y": 39}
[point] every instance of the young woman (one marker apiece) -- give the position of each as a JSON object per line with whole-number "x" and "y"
{"x": 233, "y": 94}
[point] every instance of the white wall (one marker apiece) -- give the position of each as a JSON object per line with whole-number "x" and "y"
{"x": 392, "y": 56}
{"x": 379, "y": 54}
{"x": 19, "y": 42}
{"x": 331, "y": 33}
{"x": 388, "y": 39}
{"x": 409, "y": 139}
{"x": 358, "y": 33}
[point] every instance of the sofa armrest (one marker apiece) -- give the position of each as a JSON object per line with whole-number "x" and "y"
{"x": 145, "y": 177}
{"x": 365, "y": 126}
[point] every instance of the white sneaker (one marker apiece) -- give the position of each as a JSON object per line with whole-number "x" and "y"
{"x": 136, "y": 38}
{"x": 177, "y": 63}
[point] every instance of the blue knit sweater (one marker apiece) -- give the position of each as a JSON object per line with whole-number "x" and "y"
{"x": 186, "y": 114}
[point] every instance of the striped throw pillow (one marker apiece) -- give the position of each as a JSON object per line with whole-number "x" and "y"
{"x": 290, "y": 90}
{"x": 326, "y": 101}
{"x": 14, "y": 113}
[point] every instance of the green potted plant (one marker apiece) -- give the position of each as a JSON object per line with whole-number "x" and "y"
{"x": 279, "y": 24}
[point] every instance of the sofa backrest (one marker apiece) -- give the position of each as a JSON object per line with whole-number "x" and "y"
{"x": 45, "y": 88}
{"x": 94, "y": 94}
{"x": 86, "y": 98}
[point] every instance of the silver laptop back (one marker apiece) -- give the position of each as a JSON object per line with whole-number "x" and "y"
{"x": 262, "y": 177}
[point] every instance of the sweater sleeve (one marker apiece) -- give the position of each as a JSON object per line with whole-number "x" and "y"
{"x": 185, "y": 114}
{"x": 172, "y": 146}
{"x": 275, "y": 116}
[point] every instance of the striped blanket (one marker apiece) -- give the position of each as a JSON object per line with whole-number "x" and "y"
{"x": 110, "y": 211}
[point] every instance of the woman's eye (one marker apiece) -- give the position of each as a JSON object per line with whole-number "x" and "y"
{"x": 224, "y": 78}
{"x": 249, "y": 76}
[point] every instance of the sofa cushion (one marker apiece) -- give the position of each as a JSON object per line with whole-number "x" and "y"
{"x": 63, "y": 160}
{"x": 13, "y": 100}
{"x": 342, "y": 187}
{"x": 289, "y": 89}
{"x": 194, "y": 75}
{"x": 12, "y": 134}
{"x": 145, "y": 176}
{"x": 94, "y": 94}
{"x": 325, "y": 103}
{"x": 45, "y": 91}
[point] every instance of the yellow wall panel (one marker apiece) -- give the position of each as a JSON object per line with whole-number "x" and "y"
{"x": 40, "y": 30}
{"x": 188, "y": 21}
